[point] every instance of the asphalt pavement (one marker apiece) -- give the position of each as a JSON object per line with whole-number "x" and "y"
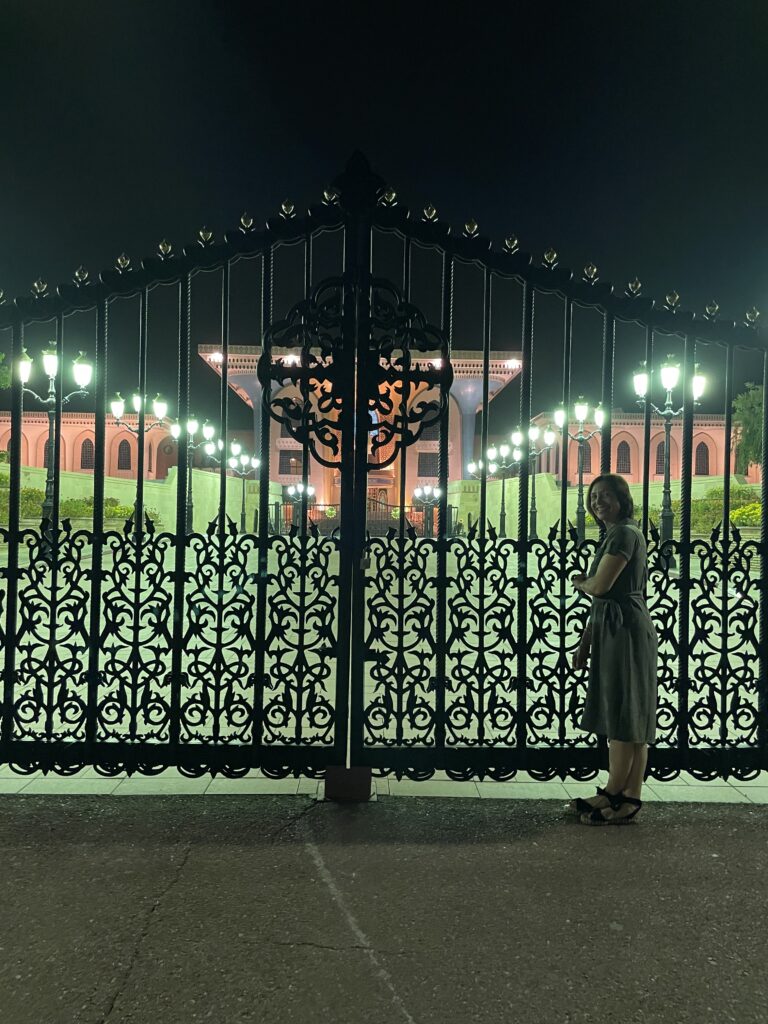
{"x": 426, "y": 910}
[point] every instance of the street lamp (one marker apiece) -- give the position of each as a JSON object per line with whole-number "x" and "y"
{"x": 428, "y": 497}
{"x": 159, "y": 410}
{"x": 242, "y": 465}
{"x": 501, "y": 463}
{"x": 82, "y": 371}
{"x": 670, "y": 376}
{"x": 581, "y": 410}
{"x": 548, "y": 437}
{"x": 300, "y": 496}
{"x": 192, "y": 427}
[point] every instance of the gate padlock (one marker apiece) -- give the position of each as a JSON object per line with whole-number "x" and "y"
{"x": 365, "y": 562}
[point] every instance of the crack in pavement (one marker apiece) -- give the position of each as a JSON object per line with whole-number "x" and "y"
{"x": 341, "y": 949}
{"x": 292, "y": 821}
{"x": 144, "y": 932}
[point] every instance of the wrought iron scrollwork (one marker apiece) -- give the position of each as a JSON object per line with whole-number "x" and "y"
{"x": 302, "y": 639}
{"x": 52, "y": 639}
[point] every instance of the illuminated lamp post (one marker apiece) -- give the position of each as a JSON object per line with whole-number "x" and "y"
{"x": 427, "y": 497}
{"x": 192, "y": 427}
{"x": 670, "y": 376}
{"x": 82, "y": 371}
{"x": 581, "y": 410}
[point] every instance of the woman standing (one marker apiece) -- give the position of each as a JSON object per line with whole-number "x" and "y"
{"x": 621, "y": 648}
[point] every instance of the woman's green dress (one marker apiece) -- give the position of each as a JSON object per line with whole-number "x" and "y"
{"x": 621, "y": 695}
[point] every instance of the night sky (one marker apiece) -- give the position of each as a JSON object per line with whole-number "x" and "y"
{"x": 632, "y": 135}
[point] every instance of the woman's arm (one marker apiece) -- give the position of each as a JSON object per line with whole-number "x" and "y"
{"x": 608, "y": 571}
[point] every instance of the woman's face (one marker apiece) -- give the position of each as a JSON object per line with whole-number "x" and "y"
{"x": 605, "y": 504}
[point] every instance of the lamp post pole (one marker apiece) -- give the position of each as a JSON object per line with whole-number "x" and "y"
{"x": 160, "y": 411}
{"x": 300, "y": 496}
{"x": 240, "y": 463}
{"x": 501, "y": 462}
{"x": 82, "y": 371}
{"x": 428, "y": 497}
{"x": 209, "y": 432}
{"x": 533, "y": 454}
{"x": 582, "y": 438}
{"x": 670, "y": 375}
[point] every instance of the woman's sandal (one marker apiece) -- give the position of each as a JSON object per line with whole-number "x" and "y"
{"x": 579, "y": 806}
{"x": 595, "y": 817}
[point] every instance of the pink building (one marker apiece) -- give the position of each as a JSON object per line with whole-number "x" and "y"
{"x": 78, "y": 449}
{"x": 709, "y": 454}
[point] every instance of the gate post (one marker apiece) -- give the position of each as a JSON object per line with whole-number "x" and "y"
{"x": 348, "y": 785}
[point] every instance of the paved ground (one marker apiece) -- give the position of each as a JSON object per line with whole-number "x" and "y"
{"x": 281, "y": 909}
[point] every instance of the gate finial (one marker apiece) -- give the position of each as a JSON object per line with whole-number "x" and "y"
{"x": 357, "y": 186}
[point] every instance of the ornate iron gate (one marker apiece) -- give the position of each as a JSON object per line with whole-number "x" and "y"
{"x": 220, "y": 650}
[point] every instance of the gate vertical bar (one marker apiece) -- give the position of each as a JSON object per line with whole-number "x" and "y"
{"x": 483, "y": 538}
{"x": 526, "y": 382}
{"x": 565, "y": 672}
{"x": 684, "y": 576}
{"x": 357, "y": 355}
{"x": 606, "y": 397}
{"x": 221, "y": 518}
{"x": 647, "y": 428}
{"x": 177, "y": 676}
{"x": 99, "y": 437}
{"x": 762, "y": 694}
{"x": 726, "y": 546}
{"x": 14, "y": 493}
{"x": 262, "y": 579}
{"x": 446, "y": 326}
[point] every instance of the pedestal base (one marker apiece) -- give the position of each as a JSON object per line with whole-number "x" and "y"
{"x": 347, "y": 785}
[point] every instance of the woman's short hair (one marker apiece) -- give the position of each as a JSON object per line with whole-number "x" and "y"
{"x": 620, "y": 489}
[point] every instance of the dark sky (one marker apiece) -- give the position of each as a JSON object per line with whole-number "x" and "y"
{"x": 633, "y": 135}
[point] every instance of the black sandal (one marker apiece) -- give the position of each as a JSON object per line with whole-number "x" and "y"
{"x": 596, "y": 816}
{"x": 582, "y": 807}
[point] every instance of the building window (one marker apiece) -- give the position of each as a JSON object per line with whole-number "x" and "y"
{"x": 87, "y": 454}
{"x": 124, "y": 455}
{"x": 431, "y": 433}
{"x": 290, "y": 463}
{"x": 623, "y": 461}
{"x": 428, "y": 464}
{"x": 660, "y": 458}
{"x": 702, "y": 459}
{"x": 587, "y": 457}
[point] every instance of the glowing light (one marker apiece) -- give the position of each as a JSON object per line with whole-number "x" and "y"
{"x": 599, "y": 416}
{"x": 504, "y": 451}
{"x": 50, "y": 363}
{"x": 232, "y": 462}
{"x": 516, "y": 438}
{"x": 549, "y": 437}
{"x": 533, "y": 433}
{"x": 560, "y": 418}
{"x": 640, "y": 380}
{"x": 235, "y": 447}
{"x": 210, "y": 448}
{"x": 216, "y": 357}
{"x": 24, "y": 367}
{"x": 492, "y": 454}
{"x": 418, "y": 493}
{"x": 472, "y": 468}
{"x": 192, "y": 426}
{"x": 517, "y": 454}
{"x": 581, "y": 409}
{"x": 82, "y": 371}
{"x": 117, "y": 405}
{"x": 670, "y": 374}
{"x": 136, "y": 403}
{"x": 698, "y": 383}
{"x": 244, "y": 460}
{"x": 176, "y": 430}
{"x": 208, "y": 431}
{"x": 159, "y": 408}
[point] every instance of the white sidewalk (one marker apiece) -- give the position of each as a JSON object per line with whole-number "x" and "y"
{"x": 89, "y": 783}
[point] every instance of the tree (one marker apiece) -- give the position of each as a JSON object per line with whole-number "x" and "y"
{"x": 748, "y": 419}
{"x": 5, "y": 373}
